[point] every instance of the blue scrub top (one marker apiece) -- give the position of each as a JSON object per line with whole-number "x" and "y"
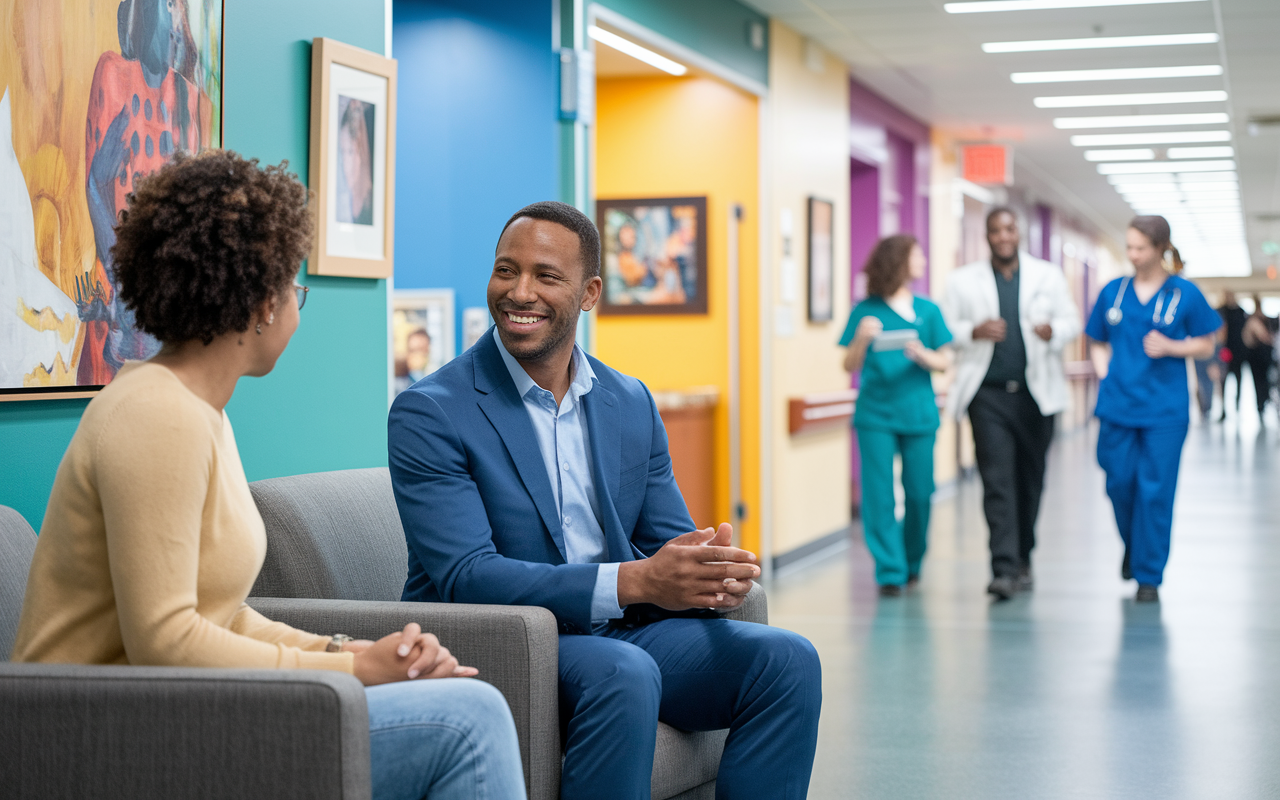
{"x": 1139, "y": 391}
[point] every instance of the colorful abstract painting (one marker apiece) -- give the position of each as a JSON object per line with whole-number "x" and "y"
{"x": 94, "y": 94}
{"x": 654, "y": 258}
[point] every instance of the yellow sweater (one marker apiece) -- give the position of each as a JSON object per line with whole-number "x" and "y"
{"x": 151, "y": 543}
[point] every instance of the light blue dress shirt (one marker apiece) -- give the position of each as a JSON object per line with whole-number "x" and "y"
{"x": 563, "y": 440}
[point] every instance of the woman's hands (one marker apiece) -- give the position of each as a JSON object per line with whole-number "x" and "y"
{"x": 1156, "y": 345}
{"x": 405, "y": 655}
{"x": 933, "y": 360}
{"x": 868, "y": 329}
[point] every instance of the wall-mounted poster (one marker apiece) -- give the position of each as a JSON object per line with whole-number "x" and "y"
{"x": 353, "y": 160}
{"x": 655, "y": 255}
{"x": 822, "y": 260}
{"x": 93, "y": 95}
{"x": 422, "y": 333}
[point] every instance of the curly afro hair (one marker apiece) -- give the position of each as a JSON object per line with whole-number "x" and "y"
{"x": 205, "y": 240}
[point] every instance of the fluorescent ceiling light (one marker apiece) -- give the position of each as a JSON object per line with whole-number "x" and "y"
{"x": 1122, "y": 74}
{"x": 1141, "y": 120}
{"x": 1197, "y": 178}
{"x": 1201, "y": 152}
{"x": 986, "y": 6}
{"x": 1139, "y": 99}
{"x": 1163, "y": 137}
{"x": 1165, "y": 167}
{"x": 1099, "y": 42}
{"x": 1119, "y": 155}
{"x": 636, "y": 51}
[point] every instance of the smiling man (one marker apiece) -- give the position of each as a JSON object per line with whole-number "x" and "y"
{"x": 529, "y": 473}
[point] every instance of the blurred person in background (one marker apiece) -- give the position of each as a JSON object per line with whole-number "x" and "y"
{"x": 1208, "y": 375}
{"x": 896, "y": 339}
{"x": 1233, "y": 351}
{"x": 1144, "y": 327}
{"x": 152, "y": 540}
{"x": 1012, "y": 317}
{"x": 1259, "y": 342}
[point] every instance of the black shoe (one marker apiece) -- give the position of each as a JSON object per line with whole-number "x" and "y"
{"x": 1003, "y": 587}
{"x": 913, "y": 582}
{"x": 1147, "y": 594}
{"x": 890, "y": 590}
{"x": 1125, "y": 572}
{"x": 1025, "y": 580}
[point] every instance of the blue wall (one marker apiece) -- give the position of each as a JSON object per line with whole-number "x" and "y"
{"x": 476, "y": 132}
{"x": 324, "y": 407}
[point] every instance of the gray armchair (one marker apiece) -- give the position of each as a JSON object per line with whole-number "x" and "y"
{"x": 144, "y": 732}
{"x": 336, "y": 538}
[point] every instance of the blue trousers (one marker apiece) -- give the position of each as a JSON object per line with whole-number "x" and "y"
{"x": 764, "y": 684}
{"x": 897, "y": 548}
{"x": 447, "y": 739}
{"x": 1142, "y": 477}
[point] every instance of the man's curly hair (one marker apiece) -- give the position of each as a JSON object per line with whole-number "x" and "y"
{"x": 205, "y": 240}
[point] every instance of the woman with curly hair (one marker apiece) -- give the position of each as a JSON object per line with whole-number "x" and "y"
{"x": 152, "y": 540}
{"x": 896, "y": 340}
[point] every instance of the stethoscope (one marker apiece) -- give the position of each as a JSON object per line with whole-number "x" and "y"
{"x": 1114, "y": 314}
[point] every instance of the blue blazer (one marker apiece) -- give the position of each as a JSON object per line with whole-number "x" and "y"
{"x": 478, "y": 510}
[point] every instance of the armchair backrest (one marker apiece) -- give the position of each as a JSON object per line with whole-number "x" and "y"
{"x": 17, "y": 546}
{"x": 331, "y": 536}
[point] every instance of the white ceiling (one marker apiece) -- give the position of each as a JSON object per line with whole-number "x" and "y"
{"x": 931, "y": 63}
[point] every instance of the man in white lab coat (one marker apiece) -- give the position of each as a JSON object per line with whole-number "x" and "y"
{"x": 1011, "y": 318}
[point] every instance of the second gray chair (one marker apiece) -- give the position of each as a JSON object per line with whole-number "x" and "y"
{"x": 337, "y": 536}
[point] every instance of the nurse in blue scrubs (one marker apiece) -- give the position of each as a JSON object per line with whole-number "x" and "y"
{"x": 1144, "y": 327}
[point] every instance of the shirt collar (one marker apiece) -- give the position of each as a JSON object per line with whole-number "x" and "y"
{"x": 583, "y": 375}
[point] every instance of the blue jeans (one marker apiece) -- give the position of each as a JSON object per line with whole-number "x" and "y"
{"x": 449, "y": 739}
{"x": 764, "y": 684}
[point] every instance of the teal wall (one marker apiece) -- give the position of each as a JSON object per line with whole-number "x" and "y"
{"x": 716, "y": 29}
{"x": 325, "y": 405}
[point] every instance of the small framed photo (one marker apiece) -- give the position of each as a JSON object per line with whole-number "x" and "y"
{"x": 353, "y": 160}
{"x": 654, "y": 258}
{"x": 822, "y": 259}
{"x": 422, "y": 333}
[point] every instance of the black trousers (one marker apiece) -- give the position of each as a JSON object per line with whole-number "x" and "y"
{"x": 1259, "y": 359}
{"x": 1011, "y": 439}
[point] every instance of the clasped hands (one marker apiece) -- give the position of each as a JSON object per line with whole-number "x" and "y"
{"x": 699, "y": 569}
{"x": 405, "y": 655}
{"x": 995, "y": 330}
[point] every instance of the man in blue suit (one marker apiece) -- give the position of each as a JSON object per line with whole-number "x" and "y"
{"x": 528, "y": 473}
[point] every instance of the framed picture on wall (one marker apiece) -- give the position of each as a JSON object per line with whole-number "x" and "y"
{"x": 822, "y": 259}
{"x": 353, "y": 160}
{"x": 422, "y": 323}
{"x": 654, "y": 258}
{"x": 87, "y": 108}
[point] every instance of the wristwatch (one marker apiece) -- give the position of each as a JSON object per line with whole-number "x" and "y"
{"x": 336, "y": 643}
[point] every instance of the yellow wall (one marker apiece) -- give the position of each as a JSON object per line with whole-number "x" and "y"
{"x": 808, "y": 129}
{"x": 672, "y": 137}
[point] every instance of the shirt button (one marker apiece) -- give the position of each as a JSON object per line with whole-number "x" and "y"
{"x": 566, "y": 466}
{"x": 568, "y": 521}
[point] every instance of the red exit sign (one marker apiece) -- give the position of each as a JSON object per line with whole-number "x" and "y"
{"x": 987, "y": 163}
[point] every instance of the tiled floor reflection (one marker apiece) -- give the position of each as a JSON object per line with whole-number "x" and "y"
{"x": 1071, "y": 691}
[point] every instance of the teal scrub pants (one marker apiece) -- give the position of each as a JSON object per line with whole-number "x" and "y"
{"x": 897, "y": 547}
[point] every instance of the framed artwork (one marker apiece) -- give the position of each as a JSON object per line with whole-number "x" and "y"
{"x": 654, "y": 258}
{"x": 93, "y": 96}
{"x": 822, "y": 259}
{"x": 422, "y": 333}
{"x": 353, "y": 160}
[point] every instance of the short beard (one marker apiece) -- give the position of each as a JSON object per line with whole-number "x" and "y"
{"x": 563, "y": 330}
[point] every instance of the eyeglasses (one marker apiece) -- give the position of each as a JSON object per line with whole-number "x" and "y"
{"x": 301, "y": 291}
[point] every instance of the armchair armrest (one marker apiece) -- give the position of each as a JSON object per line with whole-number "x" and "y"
{"x": 128, "y": 732}
{"x": 755, "y": 609}
{"x": 516, "y": 649}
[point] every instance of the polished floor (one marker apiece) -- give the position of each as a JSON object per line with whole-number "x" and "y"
{"x": 1072, "y": 690}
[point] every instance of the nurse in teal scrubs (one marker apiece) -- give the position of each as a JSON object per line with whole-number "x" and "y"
{"x": 1144, "y": 328}
{"x": 896, "y": 339}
